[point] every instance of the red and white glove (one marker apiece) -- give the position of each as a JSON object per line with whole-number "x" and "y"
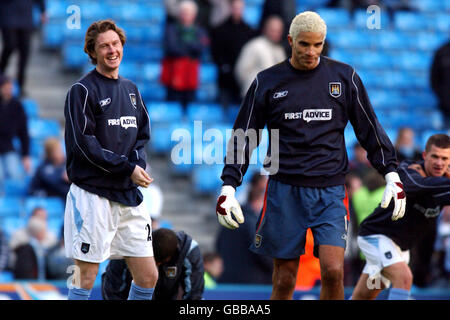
{"x": 394, "y": 189}
{"x": 227, "y": 204}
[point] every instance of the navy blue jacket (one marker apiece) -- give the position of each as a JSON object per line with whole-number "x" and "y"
{"x": 424, "y": 200}
{"x": 107, "y": 128}
{"x": 311, "y": 110}
{"x": 19, "y": 13}
{"x": 13, "y": 123}
{"x": 184, "y": 273}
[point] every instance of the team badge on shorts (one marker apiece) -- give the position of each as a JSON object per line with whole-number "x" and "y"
{"x": 171, "y": 272}
{"x": 258, "y": 240}
{"x": 335, "y": 89}
{"x": 133, "y": 99}
{"x": 388, "y": 255}
{"x": 85, "y": 247}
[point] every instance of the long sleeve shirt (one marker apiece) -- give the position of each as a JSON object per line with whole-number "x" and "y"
{"x": 306, "y": 113}
{"x": 107, "y": 128}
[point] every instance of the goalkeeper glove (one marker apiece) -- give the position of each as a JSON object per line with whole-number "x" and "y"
{"x": 227, "y": 204}
{"x": 394, "y": 189}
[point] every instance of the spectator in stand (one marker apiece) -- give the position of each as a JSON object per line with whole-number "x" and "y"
{"x": 286, "y": 10}
{"x": 213, "y": 268}
{"x": 405, "y": 146}
{"x": 184, "y": 43}
{"x": 13, "y": 123}
{"x": 50, "y": 178}
{"x": 29, "y": 245}
{"x": 260, "y": 53}
{"x": 4, "y": 251}
{"x": 233, "y": 245}
{"x": 16, "y": 23}
{"x": 227, "y": 41}
{"x": 440, "y": 80}
{"x": 359, "y": 165}
{"x": 220, "y": 12}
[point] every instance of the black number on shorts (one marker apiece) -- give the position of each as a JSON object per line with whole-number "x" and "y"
{"x": 149, "y": 230}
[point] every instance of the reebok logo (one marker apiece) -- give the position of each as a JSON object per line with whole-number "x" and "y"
{"x": 125, "y": 122}
{"x": 280, "y": 94}
{"x": 105, "y": 102}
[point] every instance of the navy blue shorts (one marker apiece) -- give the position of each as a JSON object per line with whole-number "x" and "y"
{"x": 289, "y": 211}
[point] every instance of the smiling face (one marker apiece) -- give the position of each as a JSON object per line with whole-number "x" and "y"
{"x": 437, "y": 161}
{"x": 108, "y": 52}
{"x": 306, "y": 50}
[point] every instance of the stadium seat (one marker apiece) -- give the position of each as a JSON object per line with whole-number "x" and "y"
{"x": 206, "y": 112}
{"x": 407, "y": 60}
{"x": 207, "y": 92}
{"x": 51, "y": 34}
{"x": 361, "y": 19}
{"x": 426, "y": 134}
{"x": 206, "y": 178}
{"x": 31, "y": 107}
{"x": 130, "y": 71}
{"x": 53, "y": 205}
{"x": 16, "y": 188}
{"x": 74, "y": 56}
{"x": 11, "y": 206}
{"x": 335, "y": 18}
{"x": 410, "y": 21}
{"x": 208, "y": 73}
{"x": 373, "y": 60}
{"x": 160, "y": 138}
{"x": 350, "y": 39}
{"x": 12, "y": 224}
{"x": 252, "y": 15}
{"x": 165, "y": 112}
{"x": 151, "y": 71}
{"x": 43, "y": 128}
{"x": 152, "y": 91}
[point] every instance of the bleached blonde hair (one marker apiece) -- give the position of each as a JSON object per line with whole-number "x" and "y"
{"x": 307, "y": 21}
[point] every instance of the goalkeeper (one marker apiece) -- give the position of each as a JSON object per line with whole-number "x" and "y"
{"x": 307, "y": 100}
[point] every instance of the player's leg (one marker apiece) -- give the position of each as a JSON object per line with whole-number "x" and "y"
{"x": 363, "y": 289}
{"x": 332, "y": 272}
{"x": 284, "y": 278}
{"x": 83, "y": 280}
{"x": 401, "y": 278}
{"x": 133, "y": 241}
{"x": 145, "y": 276}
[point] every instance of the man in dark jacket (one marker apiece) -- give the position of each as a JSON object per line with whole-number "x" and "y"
{"x": 180, "y": 268}
{"x": 227, "y": 41}
{"x": 440, "y": 79}
{"x": 16, "y": 23}
{"x": 13, "y": 123}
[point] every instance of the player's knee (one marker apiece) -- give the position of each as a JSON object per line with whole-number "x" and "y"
{"x": 403, "y": 280}
{"x": 332, "y": 276}
{"x": 148, "y": 279}
{"x": 284, "y": 280}
{"x": 88, "y": 277}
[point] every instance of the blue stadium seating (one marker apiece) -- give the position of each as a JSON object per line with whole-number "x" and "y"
{"x": 31, "y": 107}
{"x": 151, "y": 71}
{"x": 74, "y": 56}
{"x": 53, "y": 205}
{"x": 361, "y": 19}
{"x": 11, "y": 206}
{"x": 11, "y": 224}
{"x": 208, "y": 73}
{"x": 206, "y": 112}
{"x": 52, "y": 36}
{"x": 206, "y": 178}
{"x": 335, "y": 18}
{"x": 16, "y": 188}
{"x": 252, "y": 15}
{"x": 152, "y": 91}
{"x": 165, "y": 112}
{"x": 410, "y": 21}
{"x": 43, "y": 128}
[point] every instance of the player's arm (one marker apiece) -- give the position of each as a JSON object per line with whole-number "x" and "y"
{"x": 380, "y": 151}
{"x": 246, "y": 129}
{"x": 81, "y": 133}
{"x": 416, "y": 183}
{"x": 138, "y": 155}
{"x": 195, "y": 278}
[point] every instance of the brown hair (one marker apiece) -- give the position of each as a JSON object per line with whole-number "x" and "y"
{"x": 94, "y": 30}
{"x": 440, "y": 140}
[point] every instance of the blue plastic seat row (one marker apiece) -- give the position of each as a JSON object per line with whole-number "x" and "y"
{"x": 19, "y": 206}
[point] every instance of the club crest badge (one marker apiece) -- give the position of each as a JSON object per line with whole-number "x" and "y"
{"x": 171, "y": 272}
{"x": 133, "y": 99}
{"x": 388, "y": 255}
{"x": 258, "y": 240}
{"x": 85, "y": 247}
{"x": 335, "y": 89}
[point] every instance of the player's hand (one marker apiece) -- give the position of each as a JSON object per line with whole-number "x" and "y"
{"x": 418, "y": 168}
{"x": 141, "y": 177}
{"x": 227, "y": 204}
{"x": 394, "y": 190}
